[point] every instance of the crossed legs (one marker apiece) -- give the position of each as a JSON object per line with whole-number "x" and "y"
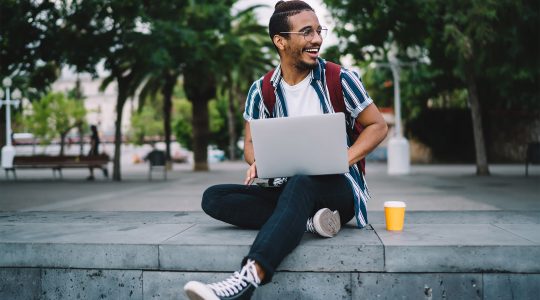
{"x": 279, "y": 212}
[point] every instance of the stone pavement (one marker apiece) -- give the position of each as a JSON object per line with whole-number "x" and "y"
{"x": 429, "y": 188}
{"x": 465, "y": 237}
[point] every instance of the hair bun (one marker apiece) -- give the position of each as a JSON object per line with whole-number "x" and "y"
{"x": 278, "y": 4}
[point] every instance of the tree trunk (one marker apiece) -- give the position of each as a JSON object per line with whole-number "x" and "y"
{"x": 231, "y": 122}
{"x": 201, "y": 129}
{"x": 168, "y": 88}
{"x": 81, "y": 139}
{"x": 200, "y": 87}
{"x": 120, "y": 101}
{"x": 478, "y": 132}
{"x": 62, "y": 142}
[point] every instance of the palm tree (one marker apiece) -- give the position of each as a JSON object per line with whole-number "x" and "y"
{"x": 208, "y": 22}
{"x": 108, "y": 30}
{"x": 169, "y": 35}
{"x": 246, "y": 56}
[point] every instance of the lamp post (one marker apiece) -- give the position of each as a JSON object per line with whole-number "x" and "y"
{"x": 8, "y": 151}
{"x": 399, "y": 160}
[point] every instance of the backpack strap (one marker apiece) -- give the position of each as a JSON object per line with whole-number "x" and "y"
{"x": 268, "y": 94}
{"x": 333, "y": 82}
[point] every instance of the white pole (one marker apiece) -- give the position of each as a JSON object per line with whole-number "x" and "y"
{"x": 8, "y": 118}
{"x": 399, "y": 160}
{"x": 8, "y": 151}
{"x": 397, "y": 97}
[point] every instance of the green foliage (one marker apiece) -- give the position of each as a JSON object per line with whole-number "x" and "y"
{"x": 28, "y": 39}
{"x": 219, "y": 134}
{"x": 54, "y": 116}
{"x": 248, "y": 53}
{"x": 498, "y": 39}
{"x": 182, "y": 121}
{"x": 145, "y": 123}
{"x": 138, "y": 42}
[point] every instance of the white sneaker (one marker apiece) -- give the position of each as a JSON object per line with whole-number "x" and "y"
{"x": 240, "y": 285}
{"x": 325, "y": 223}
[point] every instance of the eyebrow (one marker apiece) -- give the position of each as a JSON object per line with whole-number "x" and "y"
{"x": 309, "y": 27}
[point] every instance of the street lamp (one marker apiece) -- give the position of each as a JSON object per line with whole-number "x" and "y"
{"x": 8, "y": 151}
{"x": 399, "y": 159}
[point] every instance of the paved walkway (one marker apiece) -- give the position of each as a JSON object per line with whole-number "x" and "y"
{"x": 427, "y": 188}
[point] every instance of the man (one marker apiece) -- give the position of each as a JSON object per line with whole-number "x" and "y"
{"x": 291, "y": 206}
{"x": 94, "y": 148}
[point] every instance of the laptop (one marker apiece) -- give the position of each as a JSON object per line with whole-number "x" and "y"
{"x": 305, "y": 145}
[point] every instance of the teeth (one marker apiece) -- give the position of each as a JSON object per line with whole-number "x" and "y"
{"x": 312, "y": 50}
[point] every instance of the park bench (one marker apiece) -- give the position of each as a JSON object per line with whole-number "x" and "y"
{"x": 57, "y": 163}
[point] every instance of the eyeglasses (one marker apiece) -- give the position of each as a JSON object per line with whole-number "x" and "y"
{"x": 309, "y": 33}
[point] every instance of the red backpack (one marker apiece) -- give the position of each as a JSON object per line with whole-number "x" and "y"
{"x": 336, "y": 97}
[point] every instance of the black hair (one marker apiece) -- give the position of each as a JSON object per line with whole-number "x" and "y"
{"x": 279, "y": 22}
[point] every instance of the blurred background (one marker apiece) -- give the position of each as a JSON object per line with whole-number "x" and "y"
{"x": 175, "y": 74}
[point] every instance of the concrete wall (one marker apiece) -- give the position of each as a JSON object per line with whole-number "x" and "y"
{"x": 37, "y": 283}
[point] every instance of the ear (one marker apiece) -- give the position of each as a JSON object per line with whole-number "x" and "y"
{"x": 279, "y": 41}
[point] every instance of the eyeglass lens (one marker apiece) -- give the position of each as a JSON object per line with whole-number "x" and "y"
{"x": 309, "y": 34}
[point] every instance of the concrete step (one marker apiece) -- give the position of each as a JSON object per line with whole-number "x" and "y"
{"x": 150, "y": 255}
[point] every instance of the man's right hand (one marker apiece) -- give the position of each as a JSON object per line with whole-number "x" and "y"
{"x": 251, "y": 174}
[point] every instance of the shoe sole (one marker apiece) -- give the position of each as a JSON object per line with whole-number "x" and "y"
{"x": 327, "y": 223}
{"x": 199, "y": 291}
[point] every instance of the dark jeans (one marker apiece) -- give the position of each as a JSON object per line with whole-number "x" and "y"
{"x": 280, "y": 213}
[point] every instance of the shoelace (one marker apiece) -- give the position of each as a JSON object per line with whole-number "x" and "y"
{"x": 238, "y": 281}
{"x": 310, "y": 227}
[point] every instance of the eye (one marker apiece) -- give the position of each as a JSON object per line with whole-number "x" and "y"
{"x": 308, "y": 32}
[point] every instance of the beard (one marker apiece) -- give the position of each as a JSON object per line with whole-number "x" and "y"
{"x": 304, "y": 66}
{"x": 301, "y": 65}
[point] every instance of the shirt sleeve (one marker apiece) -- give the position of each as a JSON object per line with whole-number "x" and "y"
{"x": 355, "y": 95}
{"x": 255, "y": 107}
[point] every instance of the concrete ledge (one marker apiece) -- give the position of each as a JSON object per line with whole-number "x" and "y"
{"x": 140, "y": 255}
{"x": 192, "y": 242}
{"x": 222, "y": 248}
{"x": 460, "y": 248}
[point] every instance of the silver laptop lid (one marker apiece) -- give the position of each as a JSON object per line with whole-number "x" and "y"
{"x": 308, "y": 145}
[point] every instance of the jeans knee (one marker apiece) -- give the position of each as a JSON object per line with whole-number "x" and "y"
{"x": 209, "y": 201}
{"x": 301, "y": 180}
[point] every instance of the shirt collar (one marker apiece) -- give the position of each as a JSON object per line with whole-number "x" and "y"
{"x": 316, "y": 74}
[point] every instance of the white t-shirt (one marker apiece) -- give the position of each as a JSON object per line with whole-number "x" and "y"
{"x": 301, "y": 98}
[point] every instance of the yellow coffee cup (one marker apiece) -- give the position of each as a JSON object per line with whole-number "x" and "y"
{"x": 394, "y": 211}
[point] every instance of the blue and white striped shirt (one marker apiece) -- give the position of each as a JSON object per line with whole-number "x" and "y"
{"x": 356, "y": 100}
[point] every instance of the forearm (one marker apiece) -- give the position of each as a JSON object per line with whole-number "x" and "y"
{"x": 249, "y": 155}
{"x": 370, "y": 137}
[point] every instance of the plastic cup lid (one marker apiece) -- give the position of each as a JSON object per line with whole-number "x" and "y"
{"x": 394, "y": 204}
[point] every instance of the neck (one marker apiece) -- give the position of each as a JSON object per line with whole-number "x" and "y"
{"x": 291, "y": 74}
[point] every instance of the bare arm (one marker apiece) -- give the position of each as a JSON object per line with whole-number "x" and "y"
{"x": 249, "y": 156}
{"x": 375, "y": 129}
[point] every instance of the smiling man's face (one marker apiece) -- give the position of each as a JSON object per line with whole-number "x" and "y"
{"x": 300, "y": 52}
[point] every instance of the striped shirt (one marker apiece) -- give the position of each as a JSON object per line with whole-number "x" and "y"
{"x": 356, "y": 100}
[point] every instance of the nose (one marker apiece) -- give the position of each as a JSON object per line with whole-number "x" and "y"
{"x": 317, "y": 38}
